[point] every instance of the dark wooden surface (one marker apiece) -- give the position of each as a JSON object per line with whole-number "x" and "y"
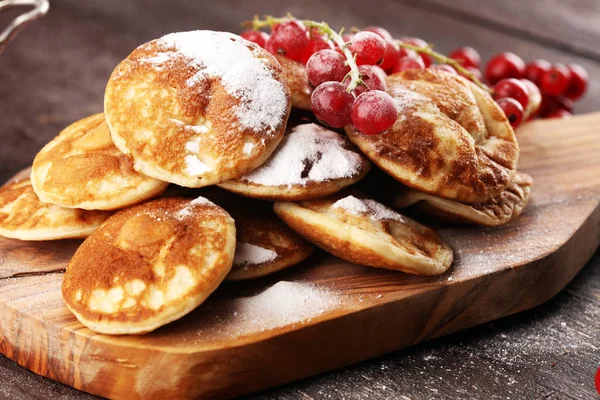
{"x": 55, "y": 72}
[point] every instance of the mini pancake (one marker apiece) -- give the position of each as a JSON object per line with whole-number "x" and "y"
{"x": 149, "y": 265}
{"x": 363, "y": 231}
{"x": 82, "y": 168}
{"x": 297, "y": 79}
{"x": 264, "y": 245}
{"x": 451, "y": 139}
{"x": 499, "y": 210}
{"x": 311, "y": 162}
{"x": 23, "y": 216}
{"x": 197, "y": 108}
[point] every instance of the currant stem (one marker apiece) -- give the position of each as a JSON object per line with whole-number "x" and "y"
{"x": 445, "y": 60}
{"x": 355, "y": 80}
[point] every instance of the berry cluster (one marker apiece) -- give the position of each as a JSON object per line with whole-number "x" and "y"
{"x": 348, "y": 72}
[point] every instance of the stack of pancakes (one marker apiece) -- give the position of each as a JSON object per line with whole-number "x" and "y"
{"x": 197, "y": 110}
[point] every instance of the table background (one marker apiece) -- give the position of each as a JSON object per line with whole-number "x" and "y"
{"x": 55, "y": 72}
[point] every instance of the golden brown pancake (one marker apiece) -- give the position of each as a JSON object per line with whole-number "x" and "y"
{"x": 499, "y": 210}
{"x": 149, "y": 265}
{"x": 360, "y": 230}
{"x": 297, "y": 78}
{"x": 264, "y": 244}
{"x": 82, "y": 168}
{"x": 311, "y": 162}
{"x": 451, "y": 139}
{"x": 23, "y": 216}
{"x": 197, "y": 108}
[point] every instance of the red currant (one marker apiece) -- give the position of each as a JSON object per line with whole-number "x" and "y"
{"x": 512, "y": 109}
{"x": 369, "y": 48}
{"x": 559, "y": 114}
{"x": 513, "y": 88}
{"x": 408, "y": 63}
{"x": 332, "y": 104}
{"x": 556, "y": 80}
{"x": 475, "y": 71}
{"x": 348, "y": 36}
{"x": 422, "y": 44}
{"x": 504, "y": 65}
{"x": 579, "y": 82}
{"x": 535, "y": 69}
{"x": 326, "y": 65}
{"x": 468, "y": 56}
{"x": 288, "y": 39}
{"x": 374, "y": 112}
{"x": 391, "y": 55}
{"x": 373, "y": 78}
{"x": 553, "y": 103}
{"x": 380, "y": 31}
{"x": 258, "y": 37}
{"x": 315, "y": 44}
{"x": 444, "y": 67}
{"x": 535, "y": 99}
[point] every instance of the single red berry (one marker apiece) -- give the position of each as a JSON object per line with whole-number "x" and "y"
{"x": 559, "y": 114}
{"x": 332, "y": 104}
{"x": 443, "y": 67}
{"x": 380, "y": 31}
{"x": 556, "y": 80}
{"x": 326, "y": 65}
{"x": 475, "y": 71}
{"x": 468, "y": 57}
{"x": 513, "y": 88}
{"x": 422, "y": 44}
{"x": 535, "y": 99}
{"x": 535, "y": 69}
{"x": 391, "y": 55}
{"x": 369, "y": 48}
{"x": 512, "y": 109}
{"x": 374, "y": 112}
{"x": 315, "y": 44}
{"x": 552, "y": 103}
{"x": 258, "y": 37}
{"x": 504, "y": 65}
{"x": 373, "y": 78}
{"x": 288, "y": 39}
{"x": 408, "y": 63}
{"x": 579, "y": 82}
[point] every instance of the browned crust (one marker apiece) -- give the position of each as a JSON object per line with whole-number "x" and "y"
{"x": 300, "y": 87}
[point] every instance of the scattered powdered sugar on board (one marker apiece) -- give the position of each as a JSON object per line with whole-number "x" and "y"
{"x": 228, "y": 57}
{"x": 308, "y": 153}
{"x": 250, "y": 254}
{"x": 375, "y": 210}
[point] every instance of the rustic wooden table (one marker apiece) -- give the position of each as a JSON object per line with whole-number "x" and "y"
{"x": 55, "y": 72}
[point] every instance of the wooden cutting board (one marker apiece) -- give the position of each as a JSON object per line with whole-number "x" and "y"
{"x": 325, "y": 313}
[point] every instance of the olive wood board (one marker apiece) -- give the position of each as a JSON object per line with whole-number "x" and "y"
{"x": 325, "y": 313}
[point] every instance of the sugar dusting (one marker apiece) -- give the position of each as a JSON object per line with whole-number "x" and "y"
{"x": 308, "y": 153}
{"x": 229, "y": 58}
{"x": 373, "y": 209}
{"x": 187, "y": 211}
{"x": 250, "y": 254}
{"x": 405, "y": 98}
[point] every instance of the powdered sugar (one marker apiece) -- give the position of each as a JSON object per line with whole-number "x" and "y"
{"x": 373, "y": 209}
{"x": 405, "y": 98}
{"x": 308, "y": 153}
{"x": 225, "y": 56}
{"x": 201, "y": 201}
{"x": 250, "y": 254}
{"x": 195, "y": 167}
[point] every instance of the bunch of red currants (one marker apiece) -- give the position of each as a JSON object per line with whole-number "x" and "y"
{"x": 349, "y": 71}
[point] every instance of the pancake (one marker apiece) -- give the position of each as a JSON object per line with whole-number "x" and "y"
{"x": 360, "y": 230}
{"x": 297, "y": 79}
{"x": 264, "y": 244}
{"x": 82, "y": 168}
{"x": 23, "y": 216}
{"x": 499, "y": 210}
{"x": 451, "y": 139}
{"x": 197, "y": 108}
{"x": 149, "y": 265}
{"x": 311, "y": 162}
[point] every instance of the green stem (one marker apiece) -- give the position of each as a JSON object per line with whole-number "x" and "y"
{"x": 446, "y": 60}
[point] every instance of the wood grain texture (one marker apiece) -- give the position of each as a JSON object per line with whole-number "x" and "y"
{"x": 231, "y": 345}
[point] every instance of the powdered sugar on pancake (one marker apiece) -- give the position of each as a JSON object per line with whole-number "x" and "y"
{"x": 228, "y": 57}
{"x": 250, "y": 254}
{"x": 310, "y": 153}
{"x": 375, "y": 210}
